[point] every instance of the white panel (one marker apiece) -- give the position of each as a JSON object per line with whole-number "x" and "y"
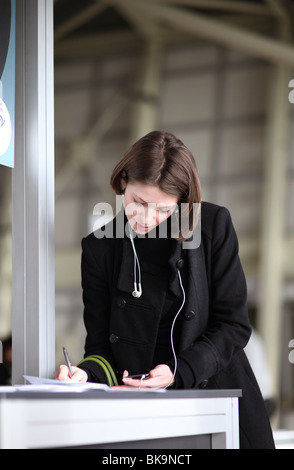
{"x": 245, "y": 92}
{"x": 242, "y": 150}
{"x": 188, "y": 99}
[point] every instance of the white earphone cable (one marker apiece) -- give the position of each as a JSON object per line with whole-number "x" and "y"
{"x": 172, "y": 330}
{"x": 137, "y": 287}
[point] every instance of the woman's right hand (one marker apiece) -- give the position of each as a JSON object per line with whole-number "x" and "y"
{"x": 79, "y": 375}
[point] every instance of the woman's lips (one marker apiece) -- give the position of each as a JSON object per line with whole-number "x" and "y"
{"x": 142, "y": 228}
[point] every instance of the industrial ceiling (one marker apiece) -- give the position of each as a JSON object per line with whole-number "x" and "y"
{"x": 94, "y": 27}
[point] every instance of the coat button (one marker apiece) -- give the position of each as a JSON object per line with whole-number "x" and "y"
{"x": 113, "y": 338}
{"x": 190, "y": 315}
{"x": 204, "y": 384}
{"x": 180, "y": 263}
{"x": 121, "y": 303}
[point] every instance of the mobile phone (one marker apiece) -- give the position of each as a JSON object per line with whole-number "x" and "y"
{"x": 138, "y": 376}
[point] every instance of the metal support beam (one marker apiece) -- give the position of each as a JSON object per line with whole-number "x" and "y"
{"x": 78, "y": 20}
{"x": 146, "y": 97}
{"x": 199, "y": 25}
{"x": 221, "y": 5}
{"x": 144, "y": 27}
{"x": 33, "y": 309}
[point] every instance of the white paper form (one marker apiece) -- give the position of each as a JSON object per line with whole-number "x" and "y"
{"x": 40, "y": 384}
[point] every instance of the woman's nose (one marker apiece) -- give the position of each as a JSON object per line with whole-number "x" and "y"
{"x": 148, "y": 214}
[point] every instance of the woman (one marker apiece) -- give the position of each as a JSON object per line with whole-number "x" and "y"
{"x": 166, "y": 296}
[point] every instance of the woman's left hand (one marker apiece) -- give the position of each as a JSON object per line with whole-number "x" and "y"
{"x": 159, "y": 377}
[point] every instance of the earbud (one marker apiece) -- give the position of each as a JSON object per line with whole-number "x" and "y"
{"x": 137, "y": 292}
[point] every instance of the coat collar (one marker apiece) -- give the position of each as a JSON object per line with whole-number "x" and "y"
{"x": 175, "y": 262}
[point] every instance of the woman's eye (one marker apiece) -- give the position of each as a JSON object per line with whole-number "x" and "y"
{"x": 163, "y": 211}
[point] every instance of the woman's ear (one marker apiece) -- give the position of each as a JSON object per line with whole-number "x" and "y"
{"x": 123, "y": 181}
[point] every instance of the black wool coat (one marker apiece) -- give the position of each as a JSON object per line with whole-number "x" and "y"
{"x": 214, "y": 325}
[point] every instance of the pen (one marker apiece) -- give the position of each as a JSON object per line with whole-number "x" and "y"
{"x": 66, "y": 356}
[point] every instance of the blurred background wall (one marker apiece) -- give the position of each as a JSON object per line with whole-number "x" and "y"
{"x": 214, "y": 73}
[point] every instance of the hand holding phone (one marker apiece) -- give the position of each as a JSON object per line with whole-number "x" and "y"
{"x": 138, "y": 376}
{"x": 159, "y": 377}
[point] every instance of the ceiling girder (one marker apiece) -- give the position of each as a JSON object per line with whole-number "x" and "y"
{"x": 201, "y": 26}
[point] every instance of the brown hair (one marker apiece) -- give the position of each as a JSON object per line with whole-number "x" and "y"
{"x": 160, "y": 159}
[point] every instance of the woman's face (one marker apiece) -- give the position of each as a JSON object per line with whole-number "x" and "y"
{"x": 146, "y": 206}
